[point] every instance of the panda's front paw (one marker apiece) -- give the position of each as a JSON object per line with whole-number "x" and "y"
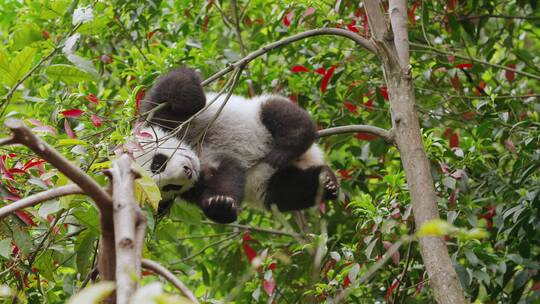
{"x": 330, "y": 184}
{"x": 221, "y": 208}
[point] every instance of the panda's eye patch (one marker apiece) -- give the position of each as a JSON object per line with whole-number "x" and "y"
{"x": 158, "y": 163}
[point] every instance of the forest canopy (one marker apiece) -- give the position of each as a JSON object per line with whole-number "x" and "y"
{"x": 75, "y": 71}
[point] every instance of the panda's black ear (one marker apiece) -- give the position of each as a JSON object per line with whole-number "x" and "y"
{"x": 181, "y": 88}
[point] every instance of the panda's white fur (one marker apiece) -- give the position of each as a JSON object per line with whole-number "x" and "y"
{"x": 237, "y": 132}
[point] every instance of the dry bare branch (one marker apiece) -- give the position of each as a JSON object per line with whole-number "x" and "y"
{"x": 169, "y": 276}
{"x": 39, "y": 198}
{"x": 384, "y": 134}
{"x": 23, "y": 135}
{"x": 368, "y": 45}
{"x": 128, "y": 224}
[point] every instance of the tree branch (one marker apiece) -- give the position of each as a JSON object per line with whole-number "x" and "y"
{"x": 368, "y": 45}
{"x": 10, "y": 93}
{"x": 398, "y": 19}
{"x": 388, "y": 136}
{"x": 169, "y": 276}
{"x": 127, "y": 218}
{"x": 258, "y": 229}
{"x": 23, "y": 135}
{"x": 39, "y": 197}
{"x": 483, "y": 62}
{"x": 473, "y": 17}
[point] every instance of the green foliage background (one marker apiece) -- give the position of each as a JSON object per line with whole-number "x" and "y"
{"x": 480, "y": 124}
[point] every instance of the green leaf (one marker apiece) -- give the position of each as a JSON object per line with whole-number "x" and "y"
{"x": 68, "y": 74}
{"x": 186, "y": 212}
{"x": 93, "y": 294}
{"x": 22, "y": 239}
{"x": 435, "y": 227}
{"x": 84, "y": 246}
{"x": 20, "y": 65}
{"x": 25, "y": 35}
{"x": 45, "y": 264}
{"x": 146, "y": 190}
{"x": 71, "y": 142}
{"x": 5, "y": 248}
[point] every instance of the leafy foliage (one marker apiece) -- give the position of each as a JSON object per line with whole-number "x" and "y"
{"x": 75, "y": 72}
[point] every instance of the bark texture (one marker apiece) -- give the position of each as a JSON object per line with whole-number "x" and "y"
{"x": 393, "y": 49}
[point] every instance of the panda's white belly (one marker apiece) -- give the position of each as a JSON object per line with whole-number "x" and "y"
{"x": 238, "y": 131}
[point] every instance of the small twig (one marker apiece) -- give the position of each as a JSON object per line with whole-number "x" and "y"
{"x": 388, "y": 136}
{"x": 368, "y": 45}
{"x": 39, "y": 197}
{"x": 469, "y": 17}
{"x": 169, "y": 276}
{"x": 23, "y": 135}
{"x": 258, "y": 229}
{"x": 401, "y": 279}
{"x": 10, "y": 93}
{"x": 205, "y": 248}
{"x": 483, "y": 62}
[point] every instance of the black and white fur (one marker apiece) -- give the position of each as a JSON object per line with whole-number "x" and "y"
{"x": 260, "y": 150}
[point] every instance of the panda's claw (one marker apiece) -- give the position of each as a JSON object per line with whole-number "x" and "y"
{"x": 221, "y": 208}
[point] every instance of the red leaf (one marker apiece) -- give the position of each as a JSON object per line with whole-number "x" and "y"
{"x": 250, "y": 252}
{"x": 272, "y": 266}
{"x": 151, "y": 34}
{"x": 246, "y": 237}
{"x": 45, "y": 34}
{"x": 454, "y": 140}
{"x": 96, "y": 120}
{"x": 390, "y": 289}
{"x": 68, "y": 130}
{"x": 455, "y": 83}
{"x": 205, "y": 23}
{"x": 510, "y": 145}
{"x": 140, "y": 95}
{"x": 25, "y": 217}
{"x": 352, "y": 26}
{"x": 321, "y": 71}
{"x": 510, "y": 75}
{"x": 73, "y": 113}
{"x": 451, "y": 58}
{"x": 452, "y": 199}
{"x": 346, "y": 281}
{"x": 322, "y": 207}
{"x": 479, "y": 90}
{"x": 451, "y": 5}
{"x": 299, "y": 68}
{"x": 369, "y": 105}
{"x": 92, "y": 98}
{"x": 345, "y": 174}
{"x": 351, "y": 107}
{"x": 395, "y": 257}
{"x": 469, "y": 115}
{"x": 384, "y": 93}
{"x": 287, "y": 18}
{"x": 365, "y": 136}
{"x": 269, "y": 286}
{"x": 326, "y": 78}
{"x": 412, "y": 18}
{"x": 464, "y": 66}
{"x": 32, "y": 163}
{"x": 365, "y": 23}
{"x": 309, "y": 11}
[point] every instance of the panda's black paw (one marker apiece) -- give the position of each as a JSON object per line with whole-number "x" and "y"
{"x": 221, "y": 208}
{"x": 330, "y": 184}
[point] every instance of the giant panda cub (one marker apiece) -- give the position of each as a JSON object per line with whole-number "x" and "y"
{"x": 260, "y": 150}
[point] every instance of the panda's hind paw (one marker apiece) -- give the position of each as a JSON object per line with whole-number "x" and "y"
{"x": 330, "y": 184}
{"x": 221, "y": 208}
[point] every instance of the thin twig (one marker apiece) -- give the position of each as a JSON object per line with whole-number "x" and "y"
{"x": 205, "y": 248}
{"x": 285, "y": 41}
{"x": 23, "y": 135}
{"x": 39, "y": 197}
{"x": 10, "y": 93}
{"x": 473, "y": 17}
{"x": 480, "y": 61}
{"x": 258, "y": 229}
{"x": 169, "y": 276}
{"x": 388, "y": 136}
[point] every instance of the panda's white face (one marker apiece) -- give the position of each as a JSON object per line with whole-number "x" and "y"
{"x": 173, "y": 164}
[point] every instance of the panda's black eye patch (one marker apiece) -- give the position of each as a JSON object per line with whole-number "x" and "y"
{"x": 158, "y": 163}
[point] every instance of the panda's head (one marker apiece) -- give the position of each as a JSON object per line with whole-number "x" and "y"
{"x": 173, "y": 164}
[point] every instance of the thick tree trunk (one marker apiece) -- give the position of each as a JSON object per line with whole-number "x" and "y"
{"x": 393, "y": 49}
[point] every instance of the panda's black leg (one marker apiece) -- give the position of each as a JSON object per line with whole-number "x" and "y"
{"x": 223, "y": 191}
{"x": 292, "y": 131}
{"x": 182, "y": 91}
{"x": 292, "y": 188}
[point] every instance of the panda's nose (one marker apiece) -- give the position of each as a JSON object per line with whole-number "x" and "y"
{"x": 188, "y": 171}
